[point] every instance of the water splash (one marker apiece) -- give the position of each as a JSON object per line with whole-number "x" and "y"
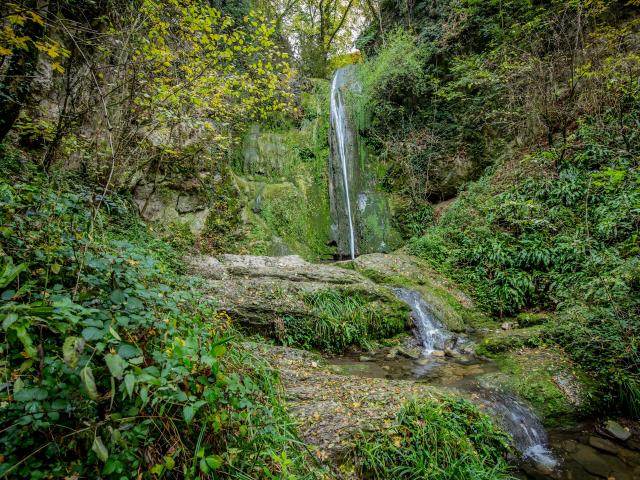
{"x": 432, "y": 333}
{"x": 339, "y": 124}
{"x": 529, "y": 436}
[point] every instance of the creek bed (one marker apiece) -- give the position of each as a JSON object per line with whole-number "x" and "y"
{"x": 577, "y": 452}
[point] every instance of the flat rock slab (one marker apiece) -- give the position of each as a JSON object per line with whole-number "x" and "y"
{"x": 331, "y": 409}
{"x": 260, "y": 291}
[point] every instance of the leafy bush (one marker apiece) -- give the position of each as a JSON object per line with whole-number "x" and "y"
{"x": 435, "y": 439}
{"x": 112, "y": 364}
{"x": 559, "y": 231}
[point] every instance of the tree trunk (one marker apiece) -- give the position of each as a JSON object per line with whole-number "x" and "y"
{"x": 15, "y": 86}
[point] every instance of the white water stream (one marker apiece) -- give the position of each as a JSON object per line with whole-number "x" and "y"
{"x": 339, "y": 124}
{"x": 529, "y": 436}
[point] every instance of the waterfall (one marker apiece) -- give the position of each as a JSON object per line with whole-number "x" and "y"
{"x": 432, "y": 333}
{"x": 339, "y": 124}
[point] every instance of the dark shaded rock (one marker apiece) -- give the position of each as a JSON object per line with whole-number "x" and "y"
{"x": 603, "y": 444}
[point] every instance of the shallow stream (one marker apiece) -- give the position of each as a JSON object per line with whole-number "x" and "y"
{"x": 576, "y": 452}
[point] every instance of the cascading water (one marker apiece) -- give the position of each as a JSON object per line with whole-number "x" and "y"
{"x": 432, "y": 333}
{"x": 340, "y": 129}
{"x": 528, "y": 434}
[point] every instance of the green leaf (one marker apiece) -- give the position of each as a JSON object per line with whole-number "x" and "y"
{"x": 71, "y": 350}
{"x": 92, "y": 334}
{"x": 30, "y": 394}
{"x": 219, "y": 350}
{"x": 130, "y": 383}
{"x": 9, "y": 320}
{"x": 55, "y": 268}
{"x": 24, "y": 337}
{"x": 89, "y": 383}
{"x": 127, "y": 351}
{"x": 188, "y": 412}
{"x": 212, "y": 462}
{"x": 116, "y": 365}
{"x": 117, "y": 296}
{"x": 114, "y": 334}
{"x": 99, "y": 449}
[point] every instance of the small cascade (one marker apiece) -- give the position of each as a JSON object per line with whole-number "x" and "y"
{"x": 340, "y": 129}
{"x": 432, "y": 333}
{"x": 529, "y": 436}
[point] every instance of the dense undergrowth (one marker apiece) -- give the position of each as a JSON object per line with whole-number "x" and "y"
{"x": 542, "y": 104}
{"x": 558, "y": 231}
{"x": 112, "y": 364}
{"x": 448, "y": 439}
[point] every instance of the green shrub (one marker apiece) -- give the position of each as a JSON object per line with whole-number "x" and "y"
{"x": 435, "y": 439}
{"x": 561, "y": 233}
{"x": 114, "y": 365}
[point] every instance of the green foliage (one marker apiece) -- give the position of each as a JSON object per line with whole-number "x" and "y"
{"x": 435, "y": 439}
{"x": 343, "y": 318}
{"x": 560, "y": 231}
{"x": 112, "y": 362}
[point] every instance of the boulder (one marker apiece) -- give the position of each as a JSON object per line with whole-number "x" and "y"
{"x": 616, "y": 430}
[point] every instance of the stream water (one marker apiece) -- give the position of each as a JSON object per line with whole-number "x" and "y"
{"x": 557, "y": 454}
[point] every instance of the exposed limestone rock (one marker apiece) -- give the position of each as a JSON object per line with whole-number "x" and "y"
{"x": 331, "y": 408}
{"x": 259, "y": 291}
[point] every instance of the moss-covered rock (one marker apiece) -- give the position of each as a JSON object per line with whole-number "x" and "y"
{"x": 510, "y": 340}
{"x": 559, "y": 390}
{"x": 311, "y": 305}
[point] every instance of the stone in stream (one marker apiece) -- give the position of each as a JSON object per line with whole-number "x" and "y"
{"x": 603, "y": 444}
{"x": 602, "y": 465}
{"x": 412, "y": 353}
{"x": 616, "y": 430}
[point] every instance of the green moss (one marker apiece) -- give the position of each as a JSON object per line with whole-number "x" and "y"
{"x": 527, "y": 319}
{"x": 283, "y": 175}
{"x": 409, "y": 272}
{"x": 509, "y": 340}
{"x": 557, "y": 389}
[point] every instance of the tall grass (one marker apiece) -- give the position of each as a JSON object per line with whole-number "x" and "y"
{"x": 448, "y": 439}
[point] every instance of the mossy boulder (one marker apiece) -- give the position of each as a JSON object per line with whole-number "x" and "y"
{"x": 510, "y": 340}
{"x": 558, "y": 389}
{"x": 293, "y": 301}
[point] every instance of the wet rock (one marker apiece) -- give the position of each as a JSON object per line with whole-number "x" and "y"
{"x": 599, "y": 464}
{"x": 423, "y": 361}
{"x": 629, "y": 456}
{"x": 437, "y": 353}
{"x": 603, "y": 444}
{"x": 569, "y": 446}
{"x": 616, "y": 430}
{"x": 449, "y": 352}
{"x": 364, "y": 358}
{"x": 412, "y": 353}
{"x": 506, "y": 326}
